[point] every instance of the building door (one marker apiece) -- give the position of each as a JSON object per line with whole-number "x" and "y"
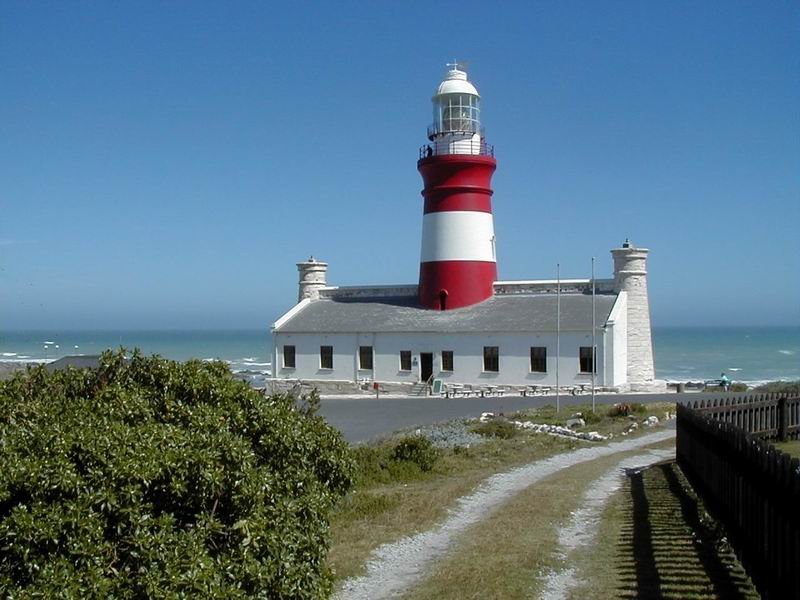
{"x": 426, "y": 365}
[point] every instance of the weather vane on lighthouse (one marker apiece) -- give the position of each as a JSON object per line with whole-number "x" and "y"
{"x": 457, "y": 264}
{"x": 457, "y": 66}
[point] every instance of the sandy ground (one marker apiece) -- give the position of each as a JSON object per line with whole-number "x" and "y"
{"x": 584, "y": 522}
{"x": 396, "y": 567}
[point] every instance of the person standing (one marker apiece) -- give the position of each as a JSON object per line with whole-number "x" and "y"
{"x": 725, "y": 382}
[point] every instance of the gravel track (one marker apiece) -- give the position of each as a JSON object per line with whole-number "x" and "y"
{"x": 397, "y": 566}
{"x": 582, "y": 527}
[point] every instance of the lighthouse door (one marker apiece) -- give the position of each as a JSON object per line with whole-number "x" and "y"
{"x": 425, "y": 365}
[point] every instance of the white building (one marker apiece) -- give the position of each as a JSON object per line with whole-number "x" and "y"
{"x": 459, "y": 325}
{"x": 337, "y": 335}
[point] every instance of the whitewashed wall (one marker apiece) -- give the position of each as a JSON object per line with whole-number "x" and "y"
{"x": 618, "y": 325}
{"x": 468, "y": 357}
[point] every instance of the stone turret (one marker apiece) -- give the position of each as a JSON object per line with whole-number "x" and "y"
{"x": 313, "y": 276}
{"x": 630, "y": 276}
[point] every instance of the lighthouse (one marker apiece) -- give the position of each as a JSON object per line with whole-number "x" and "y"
{"x": 458, "y": 266}
{"x": 459, "y": 330}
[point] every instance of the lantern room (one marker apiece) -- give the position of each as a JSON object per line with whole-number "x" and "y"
{"x": 456, "y": 127}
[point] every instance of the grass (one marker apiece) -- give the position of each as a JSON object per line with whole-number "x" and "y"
{"x": 506, "y": 555}
{"x": 656, "y": 541}
{"x": 410, "y": 500}
{"x": 792, "y": 447}
{"x": 601, "y": 420}
{"x": 392, "y": 499}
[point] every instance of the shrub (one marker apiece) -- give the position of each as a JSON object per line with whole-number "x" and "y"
{"x": 498, "y": 428}
{"x": 619, "y": 410}
{"x": 416, "y": 449}
{"x": 151, "y": 478}
{"x": 786, "y": 387}
{"x": 591, "y": 417}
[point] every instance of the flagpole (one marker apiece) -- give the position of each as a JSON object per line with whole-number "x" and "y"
{"x": 594, "y": 345}
{"x": 558, "y": 333}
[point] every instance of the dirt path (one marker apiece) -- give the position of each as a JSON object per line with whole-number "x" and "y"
{"x": 582, "y": 527}
{"x": 397, "y": 566}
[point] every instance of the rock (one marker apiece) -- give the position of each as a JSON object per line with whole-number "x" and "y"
{"x": 650, "y": 421}
{"x": 576, "y": 422}
{"x": 487, "y": 416}
{"x": 592, "y": 436}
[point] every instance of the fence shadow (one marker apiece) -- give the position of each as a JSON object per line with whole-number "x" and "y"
{"x": 667, "y": 549}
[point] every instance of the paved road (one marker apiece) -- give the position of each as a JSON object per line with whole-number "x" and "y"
{"x": 362, "y": 419}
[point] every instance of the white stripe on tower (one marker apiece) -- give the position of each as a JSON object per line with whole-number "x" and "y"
{"x": 458, "y": 235}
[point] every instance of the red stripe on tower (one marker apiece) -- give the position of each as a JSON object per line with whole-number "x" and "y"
{"x": 457, "y": 264}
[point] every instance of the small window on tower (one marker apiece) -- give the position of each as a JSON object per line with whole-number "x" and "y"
{"x": 405, "y": 360}
{"x": 491, "y": 359}
{"x": 288, "y": 357}
{"x": 365, "y": 358}
{"x": 538, "y": 359}
{"x": 326, "y": 357}
{"x": 586, "y": 356}
{"x": 447, "y": 360}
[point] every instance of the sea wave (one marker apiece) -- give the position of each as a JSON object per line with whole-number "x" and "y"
{"x": 28, "y": 360}
{"x": 787, "y": 352}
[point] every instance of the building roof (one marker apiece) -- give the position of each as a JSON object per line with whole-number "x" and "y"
{"x": 80, "y": 361}
{"x": 509, "y": 314}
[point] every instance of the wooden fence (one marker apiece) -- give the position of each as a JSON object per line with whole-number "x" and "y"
{"x": 770, "y": 416}
{"x": 749, "y": 485}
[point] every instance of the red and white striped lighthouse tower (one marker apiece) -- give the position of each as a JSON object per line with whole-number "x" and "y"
{"x": 458, "y": 265}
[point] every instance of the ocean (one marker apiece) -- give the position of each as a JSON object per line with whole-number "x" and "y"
{"x": 747, "y": 354}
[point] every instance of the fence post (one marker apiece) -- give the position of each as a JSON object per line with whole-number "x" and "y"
{"x": 783, "y": 420}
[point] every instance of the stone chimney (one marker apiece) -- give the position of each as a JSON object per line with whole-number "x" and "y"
{"x": 313, "y": 276}
{"x": 630, "y": 276}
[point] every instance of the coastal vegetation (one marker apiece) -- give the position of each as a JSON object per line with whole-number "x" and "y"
{"x": 785, "y": 387}
{"x": 152, "y": 478}
{"x": 395, "y": 497}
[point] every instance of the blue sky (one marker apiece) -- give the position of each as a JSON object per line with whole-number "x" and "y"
{"x": 167, "y": 164}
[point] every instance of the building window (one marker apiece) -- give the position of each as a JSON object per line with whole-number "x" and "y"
{"x": 586, "y": 359}
{"x": 491, "y": 359}
{"x": 405, "y": 360}
{"x": 447, "y": 360}
{"x": 288, "y": 357}
{"x": 326, "y": 357}
{"x": 365, "y": 358}
{"x": 538, "y": 359}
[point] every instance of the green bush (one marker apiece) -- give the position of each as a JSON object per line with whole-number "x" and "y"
{"x": 498, "y": 428}
{"x": 407, "y": 459}
{"x": 734, "y": 387}
{"x": 151, "y": 478}
{"x": 591, "y": 417}
{"x": 416, "y": 449}
{"x": 784, "y": 387}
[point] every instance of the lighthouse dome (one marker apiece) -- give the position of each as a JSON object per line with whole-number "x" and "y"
{"x": 455, "y": 82}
